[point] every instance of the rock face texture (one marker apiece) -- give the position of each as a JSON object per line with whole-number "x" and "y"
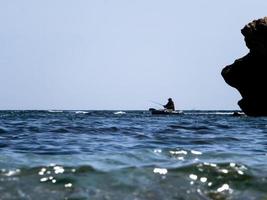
{"x": 249, "y": 74}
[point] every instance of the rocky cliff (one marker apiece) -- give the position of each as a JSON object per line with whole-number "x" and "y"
{"x": 249, "y": 74}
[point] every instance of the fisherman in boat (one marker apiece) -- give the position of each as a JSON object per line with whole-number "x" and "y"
{"x": 169, "y": 106}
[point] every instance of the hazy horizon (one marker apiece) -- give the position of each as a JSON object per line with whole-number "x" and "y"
{"x": 120, "y": 55}
{"x": 112, "y": 110}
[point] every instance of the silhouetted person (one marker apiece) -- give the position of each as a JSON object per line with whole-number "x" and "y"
{"x": 170, "y": 105}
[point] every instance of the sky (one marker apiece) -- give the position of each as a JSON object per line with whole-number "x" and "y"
{"x": 121, "y": 54}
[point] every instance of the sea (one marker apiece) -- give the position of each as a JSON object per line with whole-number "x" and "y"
{"x": 132, "y": 155}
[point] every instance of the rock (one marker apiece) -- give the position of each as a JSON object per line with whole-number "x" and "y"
{"x": 249, "y": 74}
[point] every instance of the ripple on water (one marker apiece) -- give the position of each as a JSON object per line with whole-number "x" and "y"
{"x": 190, "y": 127}
{"x": 60, "y": 130}
{"x": 3, "y": 130}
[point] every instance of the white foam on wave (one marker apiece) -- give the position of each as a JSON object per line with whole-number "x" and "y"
{"x": 81, "y": 112}
{"x": 223, "y": 113}
{"x": 119, "y": 113}
{"x": 55, "y": 111}
{"x": 210, "y": 113}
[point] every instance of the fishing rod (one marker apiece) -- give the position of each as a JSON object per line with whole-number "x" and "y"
{"x": 156, "y": 103}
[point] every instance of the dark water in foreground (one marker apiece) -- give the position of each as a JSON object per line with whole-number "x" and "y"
{"x": 133, "y": 155}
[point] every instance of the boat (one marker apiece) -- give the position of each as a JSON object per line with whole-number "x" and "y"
{"x": 164, "y": 112}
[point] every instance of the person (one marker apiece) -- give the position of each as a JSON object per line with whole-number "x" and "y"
{"x": 170, "y": 105}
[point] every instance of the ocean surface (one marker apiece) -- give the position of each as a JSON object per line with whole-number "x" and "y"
{"x": 132, "y": 155}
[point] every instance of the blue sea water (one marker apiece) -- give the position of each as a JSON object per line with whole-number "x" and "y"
{"x": 132, "y": 155}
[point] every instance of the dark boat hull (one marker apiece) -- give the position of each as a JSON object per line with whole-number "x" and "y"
{"x": 165, "y": 112}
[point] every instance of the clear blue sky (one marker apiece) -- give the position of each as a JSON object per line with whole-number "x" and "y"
{"x": 119, "y": 54}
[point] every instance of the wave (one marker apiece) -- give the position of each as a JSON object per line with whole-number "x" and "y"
{"x": 195, "y": 181}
